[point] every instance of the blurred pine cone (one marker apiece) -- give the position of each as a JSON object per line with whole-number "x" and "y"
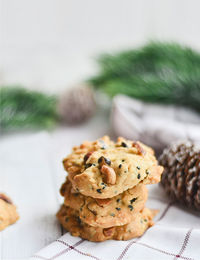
{"x": 181, "y": 176}
{"x": 77, "y": 105}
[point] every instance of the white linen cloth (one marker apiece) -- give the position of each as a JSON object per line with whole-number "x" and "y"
{"x": 175, "y": 235}
{"x": 154, "y": 124}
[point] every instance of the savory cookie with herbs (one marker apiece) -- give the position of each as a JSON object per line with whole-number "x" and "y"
{"x": 70, "y": 220}
{"x": 8, "y": 213}
{"x": 103, "y": 169}
{"x": 109, "y": 212}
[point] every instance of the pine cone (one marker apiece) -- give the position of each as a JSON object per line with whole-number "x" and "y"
{"x": 77, "y": 105}
{"x": 181, "y": 176}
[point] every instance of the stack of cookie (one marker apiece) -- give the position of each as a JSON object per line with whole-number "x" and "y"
{"x": 105, "y": 191}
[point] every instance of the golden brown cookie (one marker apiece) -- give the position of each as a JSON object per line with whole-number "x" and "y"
{"x": 116, "y": 211}
{"x": 70, "y": 220}
{"x": 8, "y": 213}
{"x": 103, "y": 169}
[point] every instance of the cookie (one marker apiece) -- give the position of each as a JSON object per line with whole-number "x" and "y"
{"x": 70, "y": 221}
{"x": 104, "y": 169}
{"x": 8, "y": 213}
{"x": 116, "y": 211}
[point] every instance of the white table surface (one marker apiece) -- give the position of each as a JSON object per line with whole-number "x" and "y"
{"x": 31, "y": 173}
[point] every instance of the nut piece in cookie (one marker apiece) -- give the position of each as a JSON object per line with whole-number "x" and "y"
{"x": 8, "y": 213}
{"x": 109, "y": 175}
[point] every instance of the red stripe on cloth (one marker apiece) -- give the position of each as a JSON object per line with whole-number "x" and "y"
{"x": 163, "y": 251}
{"x": 62, "y": 252}
{"x": 153, "y": 248}
{"x": 78, "y": 251}
{"x": 184, "y": 245}
{"x": 66, "y": 250}
{"x": 126, "y": 249}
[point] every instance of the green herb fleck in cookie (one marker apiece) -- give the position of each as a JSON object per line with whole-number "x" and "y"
{"x": 130, "y": 207}
{"x": 88, "y": 165}
{"x": 133, "y": 200}
{"x": 123, "y": 144}
{"x": 147, "y": 172}
{"x": 102, "y": 159}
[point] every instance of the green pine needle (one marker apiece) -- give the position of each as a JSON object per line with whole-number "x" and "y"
{"x": 158, "y": 72}
{"x": 23, "y": 109}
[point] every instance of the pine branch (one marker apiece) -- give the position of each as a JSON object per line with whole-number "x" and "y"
{"x": 23, "y": 109}
{"x": 157, "y": 72}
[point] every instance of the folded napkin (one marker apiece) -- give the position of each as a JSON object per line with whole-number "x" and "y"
{"x": 154, "y": 124}
{"x": 175, "y": 235}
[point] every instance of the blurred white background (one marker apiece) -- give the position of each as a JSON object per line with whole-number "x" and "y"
{"x": 51, "y": 44}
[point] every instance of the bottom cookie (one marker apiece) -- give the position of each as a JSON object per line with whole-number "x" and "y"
{"x": 70, "y": 220}
{"x": 8, "y": 213}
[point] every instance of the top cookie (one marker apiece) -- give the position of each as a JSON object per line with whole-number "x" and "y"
{"x": 104, "y": 169}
